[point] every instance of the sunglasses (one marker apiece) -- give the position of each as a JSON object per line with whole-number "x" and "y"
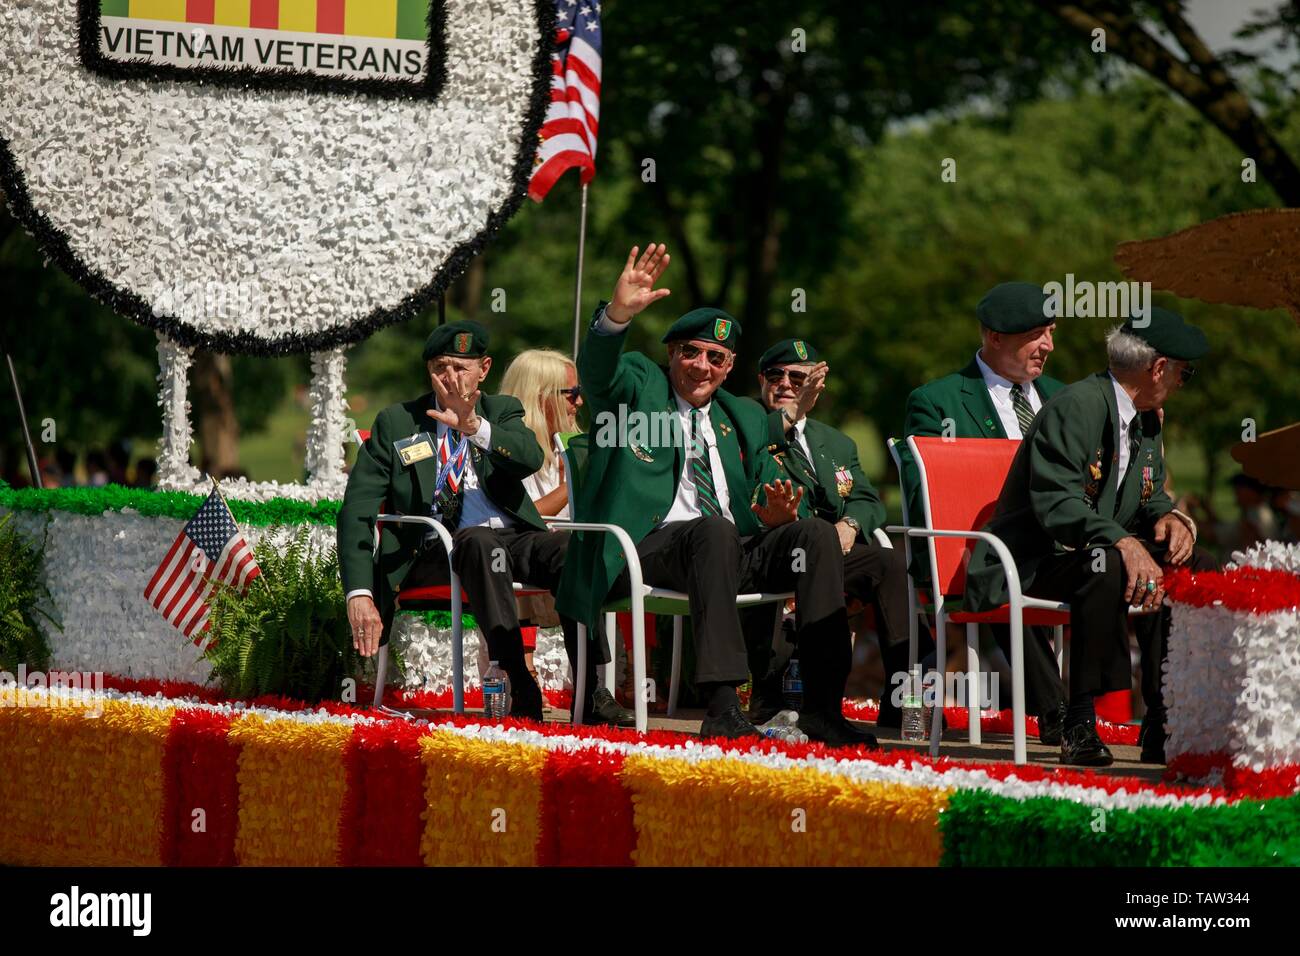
{"x": 717, "y": 357}
{"x": 1185, "y": 373}
{"x": 774, "y": 375}
{"x": 572, "y": 394}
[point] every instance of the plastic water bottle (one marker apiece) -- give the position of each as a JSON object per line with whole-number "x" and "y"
{"x": 496, "y": 692}
{"x": 792, "y": 686}
{"x": 916, "y": 722}
{"x": 784, "y": 726}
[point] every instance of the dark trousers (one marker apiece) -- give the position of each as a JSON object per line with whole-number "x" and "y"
{"x": 873, "y": 575}
{"x": 1044, "y": 692}
{"x": 709, "y": 560}
{"x": 1099, "y": 649}
{"x": 489, "y": 561}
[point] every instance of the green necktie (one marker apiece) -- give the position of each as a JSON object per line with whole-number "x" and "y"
{"x": 706, "y": 492}
{"x": 1024, "y": 411}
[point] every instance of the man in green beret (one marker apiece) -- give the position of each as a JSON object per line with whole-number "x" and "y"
{"x": 824, "y": 463}
{"x": 996, "y": 395}
{"x": 684, "y": 467}
{"x": 461, "y": 456}
{"x": 1085, "y": 515}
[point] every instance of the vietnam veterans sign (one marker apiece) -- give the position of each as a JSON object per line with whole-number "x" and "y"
{"x": 392, "y": 47}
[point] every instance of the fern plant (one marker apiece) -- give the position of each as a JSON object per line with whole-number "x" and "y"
{"x": 289, "y": 633}
{"x": 24, "y": 600}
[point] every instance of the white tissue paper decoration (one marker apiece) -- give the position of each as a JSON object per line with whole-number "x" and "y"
{"x": 272, "y": 221}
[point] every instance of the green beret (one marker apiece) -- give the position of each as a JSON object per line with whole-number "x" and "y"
{"x": 712, "y": 325}
{"x": 788, "y": 352}
{"x": 1014, "y": 307}
{"x": 1169, "y": 334}
{"x": 463, "y": 339}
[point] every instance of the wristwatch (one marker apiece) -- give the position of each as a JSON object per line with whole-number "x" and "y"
{"x": 852, "y": 523}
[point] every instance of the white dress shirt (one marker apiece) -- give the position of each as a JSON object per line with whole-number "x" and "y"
{"x": 476, "y": 507}
{"x": 686, "y": 506}
{"x": 1127, "y": 412}
{"x": 1000, "y": 392}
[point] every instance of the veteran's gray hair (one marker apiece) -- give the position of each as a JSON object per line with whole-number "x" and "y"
{"x": 1125, "y": 352}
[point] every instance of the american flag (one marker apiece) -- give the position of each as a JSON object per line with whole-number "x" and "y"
{"x": 209, "y": 550}
{"x": 569, "y": 131}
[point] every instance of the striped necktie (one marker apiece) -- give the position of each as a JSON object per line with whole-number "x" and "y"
{"x": 1024, "y": 412}
{"x": 706, "y": 493}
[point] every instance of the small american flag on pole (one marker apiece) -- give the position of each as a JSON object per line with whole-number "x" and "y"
{"x": 209, "y": 550}
{"x": 569, "y": 132}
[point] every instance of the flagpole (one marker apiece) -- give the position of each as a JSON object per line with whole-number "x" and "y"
{"x": 577, "y": 286}
{"x": 32, "y": 462}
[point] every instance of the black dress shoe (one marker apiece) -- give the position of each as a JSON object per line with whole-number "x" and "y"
{"x": 1081, "y": 747}
{"x": 605, "y": 710}
{"x": 1152, "y": 738}
{"x": 730, "y": 723}
{"x": 765, "y": 701}
{"x": 889, "y": 716}
{"x": 1050, "y": 726}
{"x": 526, "y": 700}
{"x": 834, "y": 731}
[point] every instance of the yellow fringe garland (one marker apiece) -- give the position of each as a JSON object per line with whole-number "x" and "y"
{"x": 483, "y": 801}
{"x": 726, "y": 812}
{"x": 82, "y": 790}
{"x": 291, "y": 787}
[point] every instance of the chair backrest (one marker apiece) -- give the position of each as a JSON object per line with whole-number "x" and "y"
{"x": 361, "y": 436}
{"x": 893, "y": 444}
{"x": 961, "y": 479}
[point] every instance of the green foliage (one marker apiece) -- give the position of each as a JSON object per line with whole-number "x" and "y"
{"x": 164, "y": 504}
{"x": 289, "y": 634}
{"x": 23, "y": 600}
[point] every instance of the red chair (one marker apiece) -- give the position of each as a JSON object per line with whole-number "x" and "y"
{"x": 961, "y": 479}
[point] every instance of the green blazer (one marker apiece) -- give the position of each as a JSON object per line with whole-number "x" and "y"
{"x": 833, "y": 454}
{"x": 1062, "y": 493}
{"x": 380, "y": 482}
{"x": 964, "y": 398}
{"x": 636, "y": 460}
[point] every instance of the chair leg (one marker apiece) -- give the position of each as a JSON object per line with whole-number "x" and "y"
{"x": 381, "y": 673}
{"x": 580, "y": 676}
{"x": 973, "y": 681}
{"x": 941, "y": 664}
{"x": 458, "y": 648}
{"x": 677, "y": 665}
{"x": 1058, "y": 644}
{"x": 641, "y": 698}
{"x": 611, "y": 635}
{"x": 913, "y": 631}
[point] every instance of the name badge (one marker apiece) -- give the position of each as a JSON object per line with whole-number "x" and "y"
{"x": 416, "y": 448}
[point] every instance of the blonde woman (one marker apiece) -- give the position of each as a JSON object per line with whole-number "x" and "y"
{"x": 546, "y": 382}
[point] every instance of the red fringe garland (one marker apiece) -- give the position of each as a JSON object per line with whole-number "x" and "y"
{"x": 1241, "y": 782}
{"x": 1253, "y": 590}
{"x": 586, "y": 812}
{"x": 200, "y": 772}
{"x": 380, "y": 822}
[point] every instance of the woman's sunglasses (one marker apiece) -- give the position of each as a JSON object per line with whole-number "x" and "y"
{"x": 774, "y": 376}
{"x": 572, "y": 394}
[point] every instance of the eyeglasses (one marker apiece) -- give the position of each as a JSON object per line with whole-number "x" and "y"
{"x": 572, "y": 394}
{"x": 1186, "y": 373}
{"x": 717, "y": 357}
{"x": 774, "y": 375}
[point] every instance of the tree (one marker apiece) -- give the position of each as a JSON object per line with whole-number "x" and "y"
{"x": 1199, "y": 76}
{"x": 750, "y": 113}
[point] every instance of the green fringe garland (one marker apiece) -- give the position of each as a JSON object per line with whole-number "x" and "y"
{"x": 164, "y": 504}
{"x": 983, "y": 829}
